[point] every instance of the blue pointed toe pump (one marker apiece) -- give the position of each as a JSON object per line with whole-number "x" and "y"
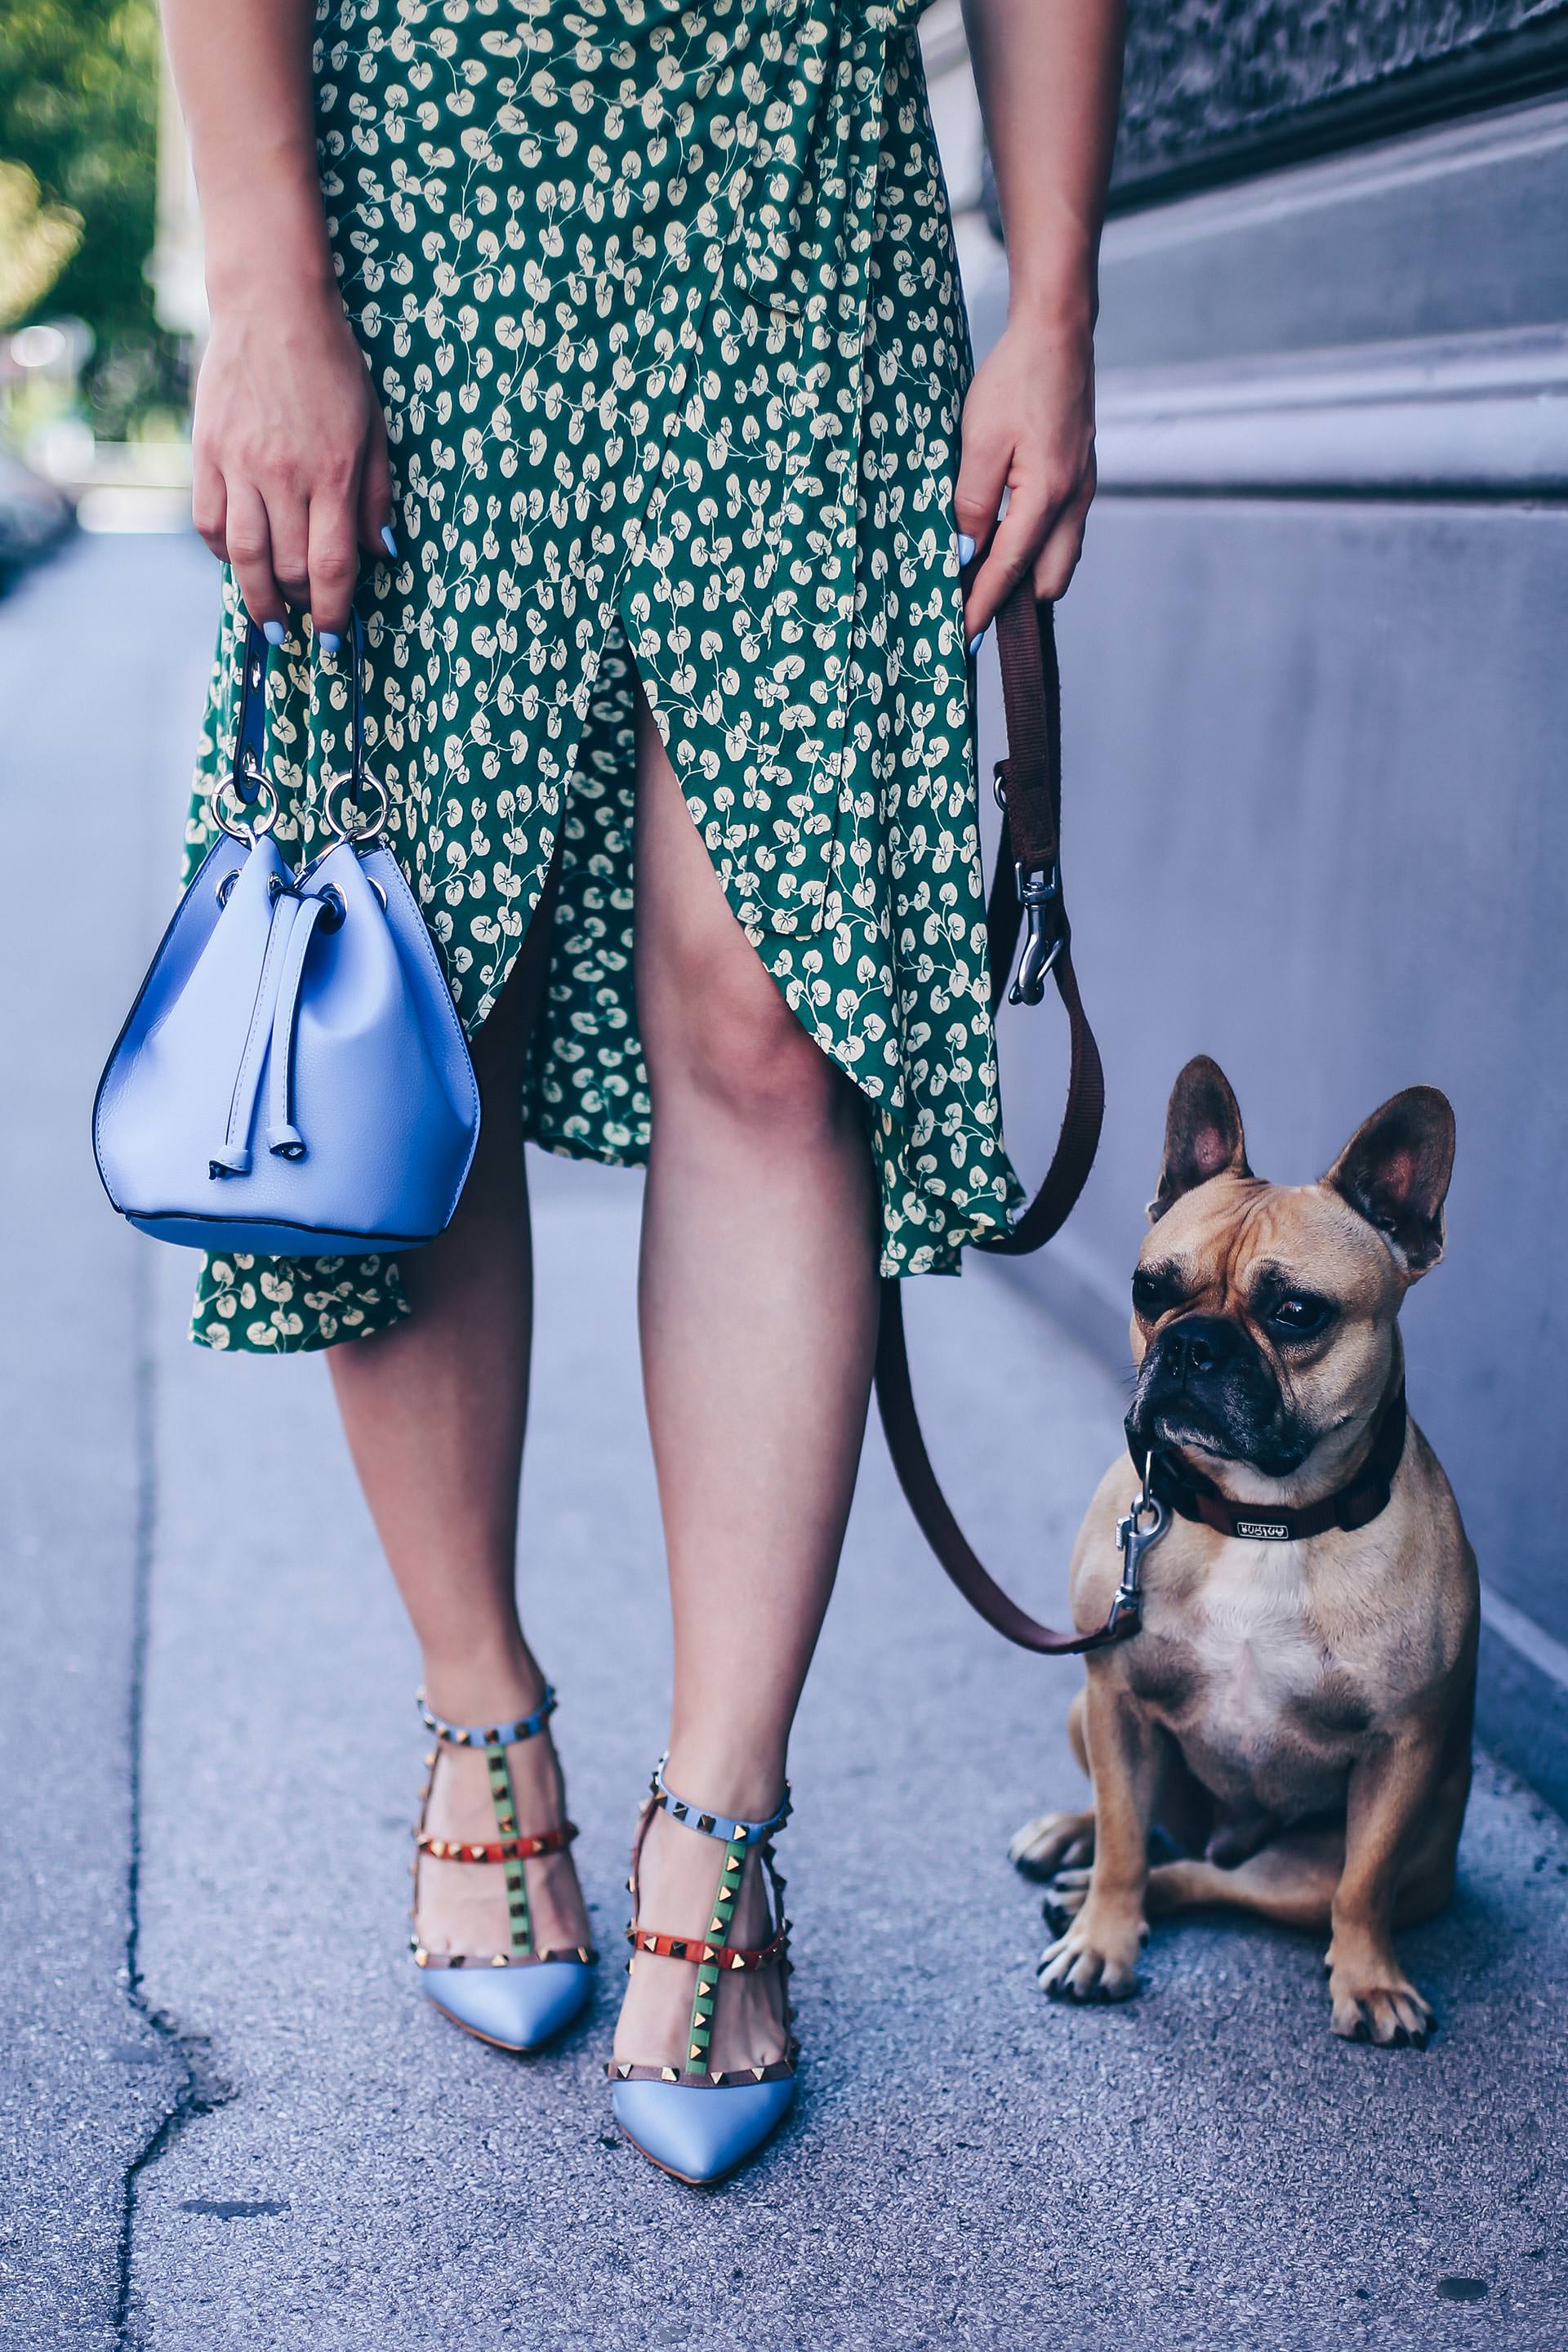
{"x": 688, "y": 2120}
{"x": 519, "y": 1998}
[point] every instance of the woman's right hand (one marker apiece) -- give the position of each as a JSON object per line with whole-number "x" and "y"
{"x": 289, "y": 451}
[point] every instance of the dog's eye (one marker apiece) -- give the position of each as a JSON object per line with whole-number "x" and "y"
{"x": 1300, "y": 1314}
{"x": 1153, "y": 1294}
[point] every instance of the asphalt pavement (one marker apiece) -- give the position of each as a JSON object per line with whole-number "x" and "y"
{"x": 231, "y": 2122}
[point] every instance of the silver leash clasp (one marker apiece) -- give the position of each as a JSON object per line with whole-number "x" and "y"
{"x": 1038, "y": 895}
{"x": 1133, "y": 1539}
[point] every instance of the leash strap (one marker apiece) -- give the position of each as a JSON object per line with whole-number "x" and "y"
{"x": 1027, "y": 884}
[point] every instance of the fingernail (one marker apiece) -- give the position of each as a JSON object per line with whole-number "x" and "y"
{"x": 273, "y": 632}
{"x": 965, "y": 550}
{"x": 327, "y": 641}
{"x": 975, "y": 642}
{"x": 388, "y": 541}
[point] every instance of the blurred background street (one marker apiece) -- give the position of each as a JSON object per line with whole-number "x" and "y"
{"x": 1315, "y": 825}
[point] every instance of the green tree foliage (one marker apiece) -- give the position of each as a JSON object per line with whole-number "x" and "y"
{"x": 78, "y": 109}
{"x": 37, "y": 242}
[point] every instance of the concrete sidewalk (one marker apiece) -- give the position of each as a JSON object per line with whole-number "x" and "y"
{"x": 265, "y": 2139}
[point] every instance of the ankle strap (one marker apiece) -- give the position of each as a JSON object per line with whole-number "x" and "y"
{"x": 722, "y": 1826}
{"x": 495, "y": 1735}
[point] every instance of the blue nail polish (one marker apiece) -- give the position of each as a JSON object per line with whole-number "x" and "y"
{"x": 327, "y": 641}
{"x": 965, "y": 550}
{"x": 273, "y": 632}
{"x": 975, "y": 643}
{"x": 388, "y": 541}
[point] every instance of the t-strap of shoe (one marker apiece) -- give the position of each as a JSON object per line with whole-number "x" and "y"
{"x": 692, "y": 2120}
{"x": 539, "y": 1993}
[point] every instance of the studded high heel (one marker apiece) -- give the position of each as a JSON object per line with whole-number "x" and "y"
{"x": 691, "y": 2121}
{"x": 519, "y": 1998}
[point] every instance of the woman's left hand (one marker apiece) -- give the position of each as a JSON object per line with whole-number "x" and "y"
{"x": 1028, "y": 430}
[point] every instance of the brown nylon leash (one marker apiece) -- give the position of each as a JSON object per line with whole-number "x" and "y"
{"x": 1027, "y": 883}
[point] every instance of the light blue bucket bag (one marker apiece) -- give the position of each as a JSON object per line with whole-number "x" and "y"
{"x": 293, "y": 1077}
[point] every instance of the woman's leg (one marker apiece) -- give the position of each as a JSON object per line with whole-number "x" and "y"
{"x": 759, "y": 1317}
{"x": 434, "y": 1411}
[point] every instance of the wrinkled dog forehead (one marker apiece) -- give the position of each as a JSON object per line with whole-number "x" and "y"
{"x": 1233, "y": 1234}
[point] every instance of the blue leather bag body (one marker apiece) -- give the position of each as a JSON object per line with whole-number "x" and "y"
{"x": 292, "y": 1078}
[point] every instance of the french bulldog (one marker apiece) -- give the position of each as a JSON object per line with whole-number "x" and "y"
{"x": 1295, "y": 1712}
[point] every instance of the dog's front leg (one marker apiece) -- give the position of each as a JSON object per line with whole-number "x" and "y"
{"x": 1097, "y": 1959}
{"x": 1391, "y": 1789}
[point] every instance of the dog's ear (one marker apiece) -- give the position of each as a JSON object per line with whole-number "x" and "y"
{"x": 1394, "y": 1172}
{"x": 1203, "y": 1134}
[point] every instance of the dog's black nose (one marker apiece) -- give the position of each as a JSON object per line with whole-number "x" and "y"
{"x": 1197, "y": 1346}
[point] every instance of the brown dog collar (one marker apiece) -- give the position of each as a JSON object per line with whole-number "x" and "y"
{"x": 1194, "y": 1496}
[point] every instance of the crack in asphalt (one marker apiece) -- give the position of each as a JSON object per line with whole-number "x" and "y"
{"x": 201, "y": 2087}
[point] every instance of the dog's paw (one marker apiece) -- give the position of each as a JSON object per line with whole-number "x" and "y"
{"x": 1093, "y": 1960}
{"x": 1065, "y": 1898}
{"x": 1372, "y": 2000}
{"x": 1043, "y": 1847}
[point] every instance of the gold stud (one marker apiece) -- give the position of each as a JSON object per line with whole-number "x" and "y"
{"x": 420, "y": 1957}
{"x": 669, "y": 2075}
{"x": 650, "y": 1943}
{"x": 623, "y": 2068}
{"x": 430, "y": 1761}
{"x": 759, "y": 2071}
{"x": 697, "y": 2050}
{"x": 717, "y": 1928}
{"x": 498, "y": 1960}
{"x": 737, "y": 1962}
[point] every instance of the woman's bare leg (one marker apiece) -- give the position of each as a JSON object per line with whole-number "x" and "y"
{"x": 759, "y": 1315}
{"x": 435, "y": 1411}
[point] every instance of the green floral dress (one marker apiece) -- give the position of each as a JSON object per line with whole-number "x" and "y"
{"x": 662, "y": 305}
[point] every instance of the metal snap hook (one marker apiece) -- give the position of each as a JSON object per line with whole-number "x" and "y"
{"x": 1038, "y": 894}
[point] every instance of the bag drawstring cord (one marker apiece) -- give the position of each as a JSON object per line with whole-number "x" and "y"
{"x": 270, "y": 1038}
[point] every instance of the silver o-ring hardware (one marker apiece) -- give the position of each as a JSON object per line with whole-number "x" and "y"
{"x": 259, "y": 825}
{"x": 347, "y": 788}
{"x": 225, "y": 886}
{"x": 334, "y": 913}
